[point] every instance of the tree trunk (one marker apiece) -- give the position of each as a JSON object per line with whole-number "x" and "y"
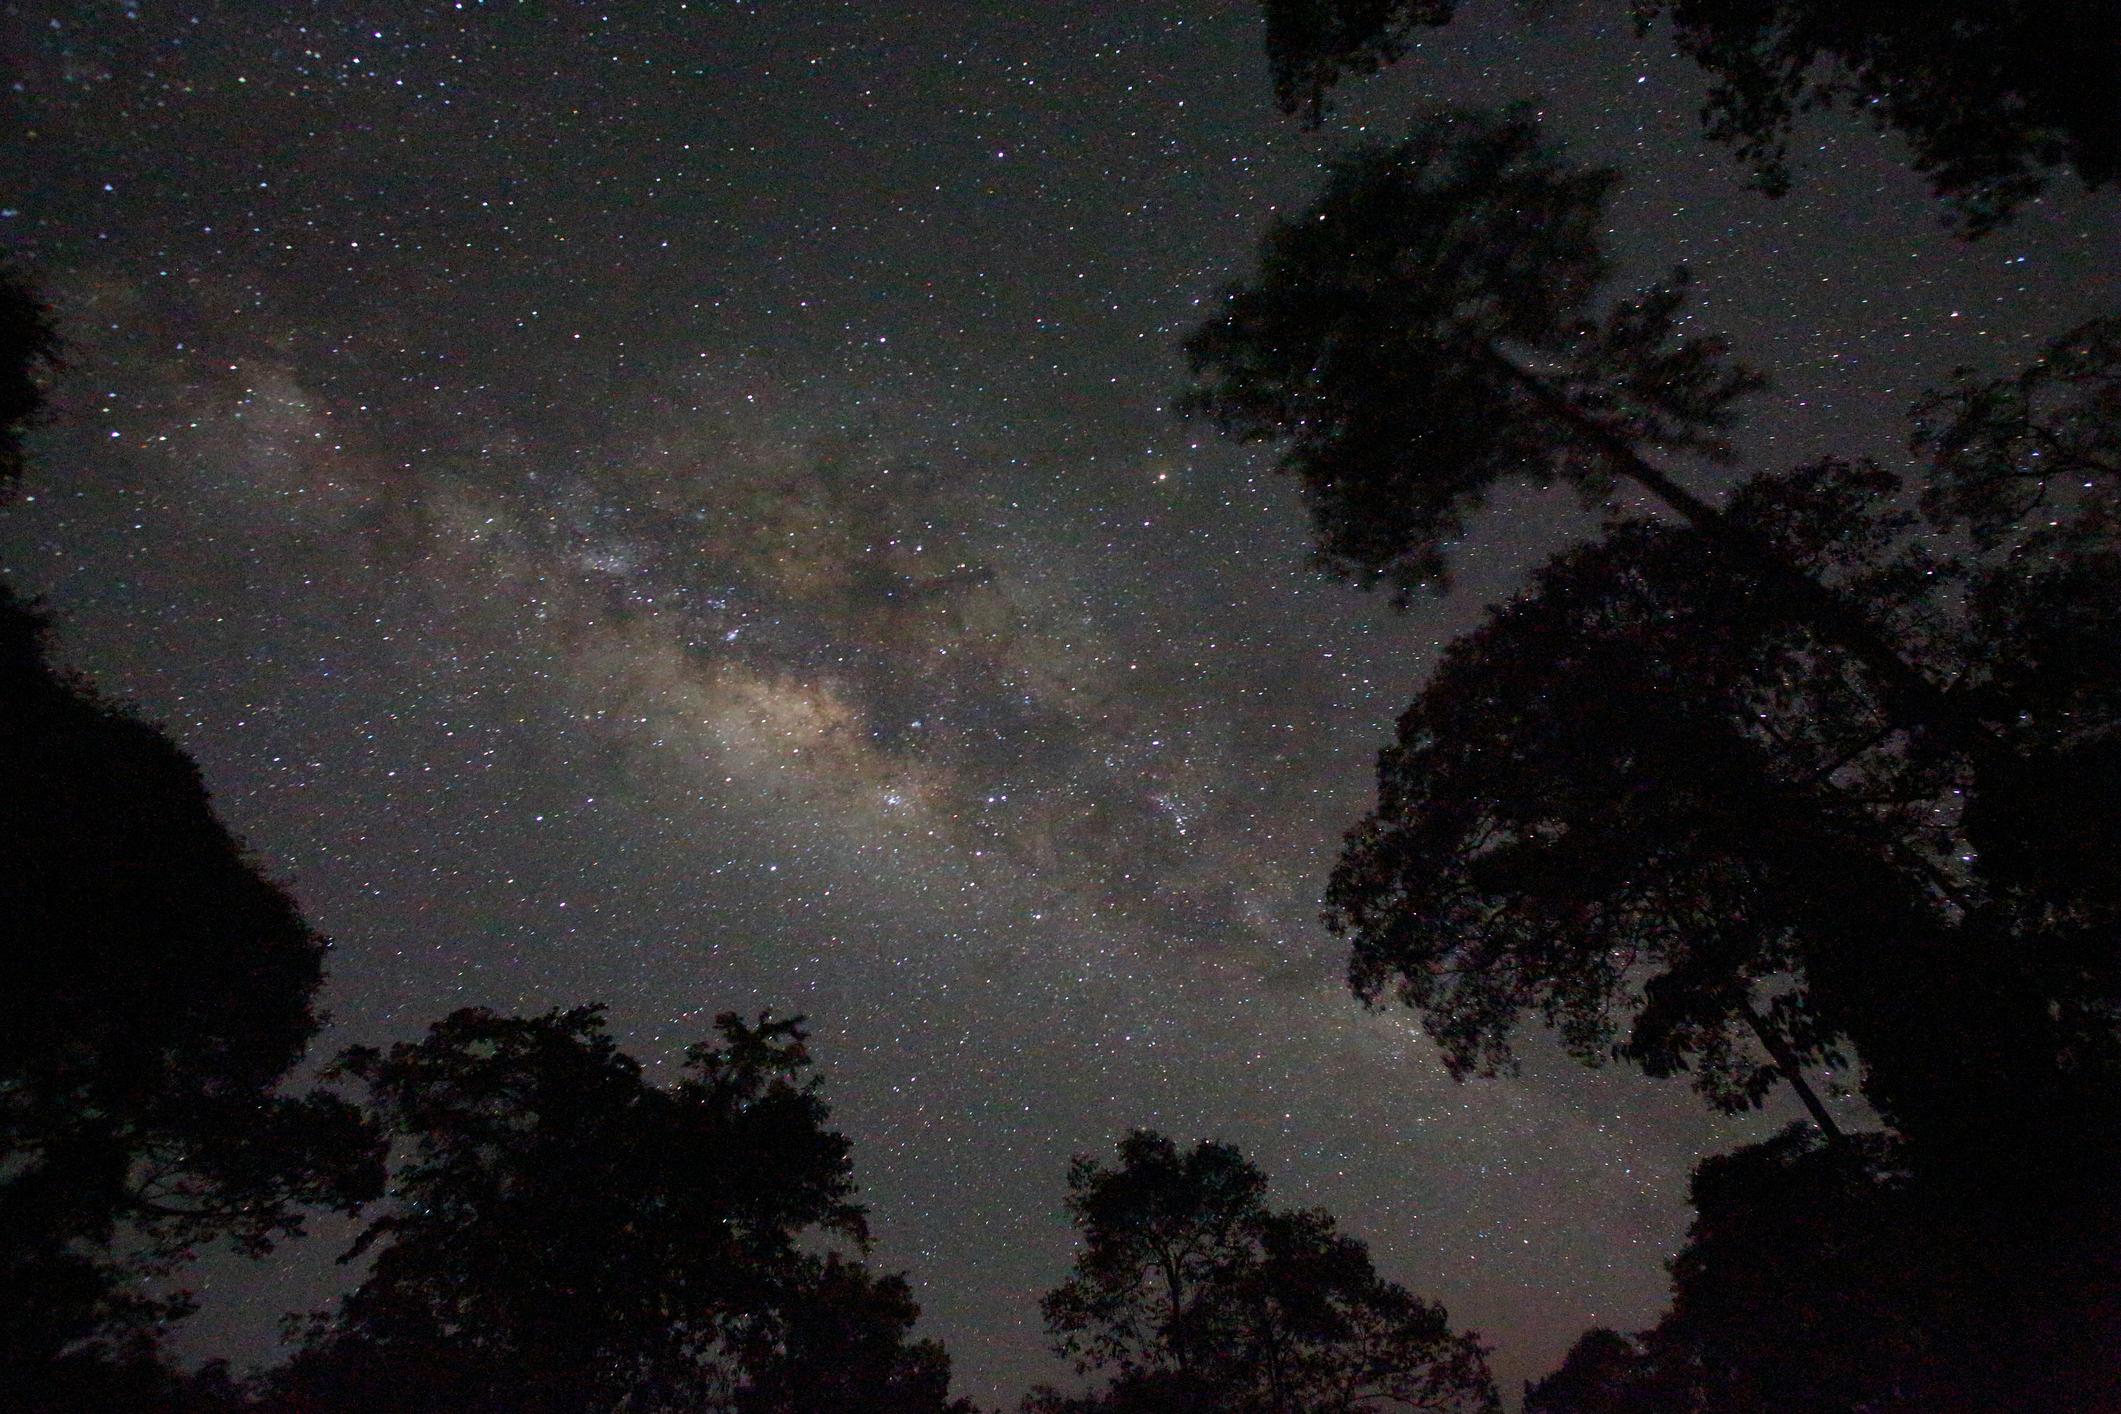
{"x": 1813, "y": 603}
{"x": 1786, "y": 1062}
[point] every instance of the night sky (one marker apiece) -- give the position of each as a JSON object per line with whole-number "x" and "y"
{"x": 675, "y": 505}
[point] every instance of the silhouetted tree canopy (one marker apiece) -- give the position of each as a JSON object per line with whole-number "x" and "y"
{"x": 1820, "y": 783}
{"x": 1313, "y": 44}
{"x": 563, "y": 1235}
{"x": 1991, "y": 96}
{"x": 844, "y": 1349}
{"x": 1652, "y": 808}
{"x": 1429, "y": 326}
{"x": 2014, "y": 459}
{"x": 29, "y": 355}
{"x": 158, "y": 988}
{"x": 1586, "y": 818}
{"x": 1190, "y": 1294}
{"x": 1703, "y": 793}
{"x": 1602, "y": 1374}
{"x": 1832, "y": 1276}
{"x": 1424, "y": 330}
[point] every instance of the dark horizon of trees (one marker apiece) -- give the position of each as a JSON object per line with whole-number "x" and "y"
{"x": 1813, "y": 787}
{"x": 1992, "y": 98}
{"x": 563, "y": 1236}
{"x": 557, "y": 1235}
{"x": 1190, "y": 1296}
{"x": 160, "y": 990}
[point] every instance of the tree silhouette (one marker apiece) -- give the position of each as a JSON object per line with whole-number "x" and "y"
{"x": 565, "y": 1236}
{"x": 1654, "y": 808}
{"x": 1646, "y": 805}
{"x": 1758, "y": 823}
{"x": 1427, "y": 327}
{"x": 159, "y": 989}
{"x": 844, "y": 1348}
{"x": 1833, "y": 1276}
{"x": 1603, "y": 1373}
{"x": 1990, "y": 95}
{"x": 29, "y": 355}
{"x": 1580, "y": 821}
{"x": 2016, "y": 459}
{"x": 1192, "y": 1295}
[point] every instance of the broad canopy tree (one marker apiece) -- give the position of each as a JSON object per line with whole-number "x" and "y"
{"x": 159, "y": 990}
{"x": 1189, "y": 1293}
{"x": 1990, "y": 96}
{"x": 561, "y": 1236}
{"x": 1711, "y": 788}
{"x": 29, "y": 356}
{"x": 1571, "y": 824}
{"x": 1828, "y": 1275}
{"x": 1430, "y": 325}
{"x": 564, "y": 1235}
{"x": 158, "y": 987}
{"x": 1646, "y": 805}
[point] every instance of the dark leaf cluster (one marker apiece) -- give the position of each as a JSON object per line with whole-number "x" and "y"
{"x": 1991, "y": 97}
{"x": 158, "y": 991}
{"x": 1189, "y": 1293}
{"x": 1830, "y": 1276}
{"x": 1311, "y": 46}
{"x": 1818, "y": 784}
{"x": 29, "y": 356}
{"x": 1427, "y": 328}
{"x": 563, "y": 1235}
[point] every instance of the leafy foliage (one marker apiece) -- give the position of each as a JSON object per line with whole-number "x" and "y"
{"x": 1313, "y": 44}
{"x": 564, "y": 1235}
{"x": 29, "y": 355}
{"x": 1193, "y": 1295}
{"x": 1776, "y": 789}
{"x": 844, "y": 1348}
{"x": 1602, "y": 1374}
{"x": 159, "y": 990}
{"x": 1831, "y": 1276}
{"x": 1604, "y": 808}
{"x": 1426, "y": 329}
{"x": 1991, "y": 96}
{"x": 1650, "y": 804}
{"x": 2013, "y": 454}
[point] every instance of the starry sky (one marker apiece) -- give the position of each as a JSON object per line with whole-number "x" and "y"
{"x": 676, "y": 505}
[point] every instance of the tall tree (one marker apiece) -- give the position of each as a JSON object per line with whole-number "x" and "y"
{"x": 565, "y": 1236}
{"x": 158, "y": 988}
{"x": 1190, "y": 1294}
{"x": 1426, "y": 328}
{"x": 1603, "y": 1373}
{"x": 1833, "y": 1276}
{"x": 845, "y": 1348}
{"x": 1991, "y": 96}
{"x": 1430, "y": 326}
{"x": 29, "y": 356}
{"x": 1767, "y": 792}
{"x": 1647, "y": 807}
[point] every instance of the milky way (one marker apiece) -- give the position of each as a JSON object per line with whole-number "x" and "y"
{"x": 675, "y": 507}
